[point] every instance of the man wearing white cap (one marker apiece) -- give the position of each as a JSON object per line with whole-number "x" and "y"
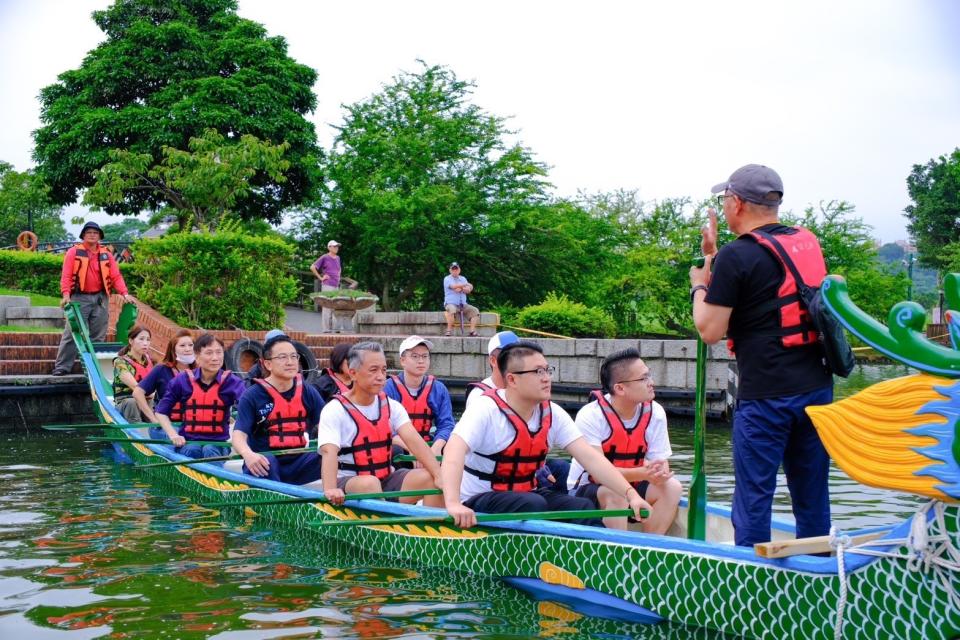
{"x": 494, "y": 380}
{"x": 425, "y": 398}
{"x": 327, "y": 270}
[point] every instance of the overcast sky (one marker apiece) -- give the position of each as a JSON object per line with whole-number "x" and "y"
{"x": 841, "y": 98}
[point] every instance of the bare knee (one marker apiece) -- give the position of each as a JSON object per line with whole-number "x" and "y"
{"x": 362, "y": 484}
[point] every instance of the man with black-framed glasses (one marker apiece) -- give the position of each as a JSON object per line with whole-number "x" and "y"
{"x": 502, "y": 440}
{"x": 753, "y": 298}
{"x": 425, "y": 398}
{"x": 625, "y": 424}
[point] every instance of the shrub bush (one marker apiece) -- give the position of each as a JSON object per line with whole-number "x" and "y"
{"x": 216, "y": 280}
{"x": 557, "y": 314}
{"x": 40, "y": 272}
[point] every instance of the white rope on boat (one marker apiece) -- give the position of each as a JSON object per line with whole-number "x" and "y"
{"x": 924, "y": 552}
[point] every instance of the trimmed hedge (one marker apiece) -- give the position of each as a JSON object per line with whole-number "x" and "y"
{"x": 217, "y": 280}
{"x": 557, "y": 314}
{"x": 40, "y": 272}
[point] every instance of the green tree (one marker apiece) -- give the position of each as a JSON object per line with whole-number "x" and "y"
{"x": 420, "y": 176}
{"x": 935, "y": 213}
{"x": 203, "y": 184}
{"x": 167, "y": 72}
{"x": 25, "y": 197}
{"x": 127, "y": 230}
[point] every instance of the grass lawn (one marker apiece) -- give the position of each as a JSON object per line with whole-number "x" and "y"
{"x": 10, "y": 328}
{"x": 36, "y": 299}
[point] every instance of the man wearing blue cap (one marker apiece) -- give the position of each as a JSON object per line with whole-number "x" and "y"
{"x": 752, "y": 298}
{"x": 89, "y": 273}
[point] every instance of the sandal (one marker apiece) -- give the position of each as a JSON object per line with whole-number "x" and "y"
{"x": 447, "y": 333}
{"x": 474, "y": 334}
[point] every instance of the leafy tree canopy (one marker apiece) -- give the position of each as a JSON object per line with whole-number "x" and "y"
{"x": 204, "y": 183}
{"x": 935, "y": 213}
{"x": 24, "y": 196}
{"x": 419, "y": 176}
{"x": 167, "y": 72}
{"x": 127, "y": 230}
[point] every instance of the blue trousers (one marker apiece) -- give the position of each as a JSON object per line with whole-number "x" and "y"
{"x": 298, "y": 469}
{"x": 203, "y": 451}
{"x": 765, "y": 433}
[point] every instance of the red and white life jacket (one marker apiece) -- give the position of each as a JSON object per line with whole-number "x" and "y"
{"x": 372, "y": 447}
{"x": 286, "y": 423}
{"x": 421, "y": 416}
{"x": 516, "y": 465}
{"x": 624, "y": 448}
{"x": 795, "y": 328}
{"x": 204, "y": 412}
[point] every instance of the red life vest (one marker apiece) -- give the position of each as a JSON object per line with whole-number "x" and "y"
{"x": 176, "y": 412}
{"x": 341, "y": 387}
{"x": 204, "y": 412}
{"x": 287, "y": 423}
{"x": 516, "y": 464}
{"x": 140, "y": 371}
{"x": 795, "y": 328}
{"x": 417, "y": 408}
{"x": 372, "y": 447}
{"x": 624, "y": 447}
{"x": 81, "y": 264}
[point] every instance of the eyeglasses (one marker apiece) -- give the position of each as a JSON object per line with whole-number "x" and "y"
{"x": 418, "y": 356}
{"x": 540, "y": 371}
{"x": 724, "y": 196}
{"x": 284, "y": 357}
{"x": 646, "y": 379}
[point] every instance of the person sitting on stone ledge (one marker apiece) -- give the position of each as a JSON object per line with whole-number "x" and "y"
{"x": 455, "y": 290}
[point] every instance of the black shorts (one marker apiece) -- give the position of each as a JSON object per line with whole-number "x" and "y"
{"x": 590, "y": 489}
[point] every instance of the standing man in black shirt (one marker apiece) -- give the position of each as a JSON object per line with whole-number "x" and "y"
{"x": 752, "y": 298}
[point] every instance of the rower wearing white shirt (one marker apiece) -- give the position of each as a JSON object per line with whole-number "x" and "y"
{"x": 356, "y": 433}
{"x": 625, "y": 424}
{"x": 502, "y": 439}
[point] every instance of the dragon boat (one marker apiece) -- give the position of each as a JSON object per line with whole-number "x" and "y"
{"x": 897, "y": 581}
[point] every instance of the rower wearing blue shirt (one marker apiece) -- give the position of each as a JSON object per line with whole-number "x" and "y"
{"x": 204, "y": 398}
{"x": 278, "y": 412}
{"x": 425, "y": 398}
{"x": 179, "y": 357}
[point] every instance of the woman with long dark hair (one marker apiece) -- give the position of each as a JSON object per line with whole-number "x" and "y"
{"x": 131, "y": 365}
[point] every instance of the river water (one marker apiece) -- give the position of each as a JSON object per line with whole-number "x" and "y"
{"x": 88, "y": 549}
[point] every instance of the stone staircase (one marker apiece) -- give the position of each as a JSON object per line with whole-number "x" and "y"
{"x": 17, "y": 311}
{"x": 30, "y": 355}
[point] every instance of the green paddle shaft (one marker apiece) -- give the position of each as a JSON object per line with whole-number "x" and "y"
{"x": 697, "y": 508}
{"x": 212, "y": 443}
{"x": 282, "y": 452}
{"x": 350, "y": 496}
{"x": 488, "y": 517}
{"x": 98, "y": 425}
{"x": 406, "y": 457}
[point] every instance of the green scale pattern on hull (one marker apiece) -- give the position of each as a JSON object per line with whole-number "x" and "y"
{"x": 885, "y": 599}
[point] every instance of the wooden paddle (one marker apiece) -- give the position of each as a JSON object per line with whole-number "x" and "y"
{"x": 350, "y": 496}
{"x": 212, "y": 443}
{"x": 281, "y": 452}
{"x": 486, "y": 517}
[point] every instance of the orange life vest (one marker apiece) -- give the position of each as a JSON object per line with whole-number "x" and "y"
{"x": 795, "y": 328}
{"x": 341, "y": 387}
{"x": 81, "y": 264}
{"x": 204, "y": 412}
{"x": 176, "y": 412}
{"x": 624, "y": 447}
{"x": 516, "y": 464}
{"x": 287, "y": 423}
{"x": 421, "y": 416}
{"x": 372, "y": 447}
{"x": 140, "y": 371}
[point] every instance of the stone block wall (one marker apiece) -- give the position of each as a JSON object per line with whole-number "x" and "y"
{"x": 424, "y": 323}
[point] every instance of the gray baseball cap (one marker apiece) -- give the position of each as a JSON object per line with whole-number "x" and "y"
{"x": 753, "y": 182}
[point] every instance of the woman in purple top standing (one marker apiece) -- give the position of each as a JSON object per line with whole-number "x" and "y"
{"x": 327, "y": 270}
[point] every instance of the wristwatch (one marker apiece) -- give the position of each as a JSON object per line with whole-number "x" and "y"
{"x": 693, "y": 290}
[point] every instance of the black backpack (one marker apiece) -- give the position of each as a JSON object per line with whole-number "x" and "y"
{"x": 839, "y": 355}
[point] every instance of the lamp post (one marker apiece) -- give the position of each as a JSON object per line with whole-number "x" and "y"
{"x": 909, "y": 263}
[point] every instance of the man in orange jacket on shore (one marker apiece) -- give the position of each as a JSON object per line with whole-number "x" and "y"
{"x": 89, "y": 273}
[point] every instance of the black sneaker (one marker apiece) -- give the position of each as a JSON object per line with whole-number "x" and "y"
{"x": 58, "y": 372}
